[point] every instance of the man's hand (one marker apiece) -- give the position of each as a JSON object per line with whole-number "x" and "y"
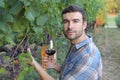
{"x": 51, "y": 62}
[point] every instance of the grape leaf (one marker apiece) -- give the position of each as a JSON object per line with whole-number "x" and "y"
{"x": 2, "y": 4}
{"x": 16, "y": 8}
{"x": 30, "y": 14}
{"x": 41, "y": 20}
{"x": 2, "y": 70}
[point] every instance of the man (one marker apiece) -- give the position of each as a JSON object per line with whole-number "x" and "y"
{"x": 83, "y": 60}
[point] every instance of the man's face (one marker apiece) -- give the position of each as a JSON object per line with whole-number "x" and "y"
{"x": 73, "y": 25}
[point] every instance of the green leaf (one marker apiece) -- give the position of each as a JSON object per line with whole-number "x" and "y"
{"x": 6, "y": 57}
{"x": 9, "y": 39}
{"x": 42, "y": 1}
{"x": 41, "y": 20}
{"x": 16, "y": 8}
{"x": 26, "y": 2}
{"x": 30, "y": 14}
{"x": 24, "y": 57}
{"x": 20, "y": 25}
{"x": 8, "y": 18}
{"x": 1, "y": 35}
{"x": 2, "y": 70}
{"x": 5, "y": 27}
{"x": 38, "y": 30}
{"x": 2, "y": 4}
{"x": 23, "y": 73}
{"x": 1, "y": 43}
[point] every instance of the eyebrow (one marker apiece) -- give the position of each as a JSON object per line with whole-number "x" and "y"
{"x": 76, "y": 19}
{"x": 71, "y": 20}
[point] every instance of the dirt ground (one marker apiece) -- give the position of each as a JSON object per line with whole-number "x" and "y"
{"x": 108, "y": 41}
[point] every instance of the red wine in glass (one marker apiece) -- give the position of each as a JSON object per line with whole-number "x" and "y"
{"x": 50, "y": 52}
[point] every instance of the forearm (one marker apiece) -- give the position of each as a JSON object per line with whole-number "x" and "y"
{"x": 43, "y": 74}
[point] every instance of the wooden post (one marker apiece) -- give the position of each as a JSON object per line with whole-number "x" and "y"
{"x": 43, "y": 54}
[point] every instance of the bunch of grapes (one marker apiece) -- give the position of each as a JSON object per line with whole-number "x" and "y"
{"x": 12, "y": 64}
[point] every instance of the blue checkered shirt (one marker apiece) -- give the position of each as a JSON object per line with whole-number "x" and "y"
{"x": 82, "y": 63}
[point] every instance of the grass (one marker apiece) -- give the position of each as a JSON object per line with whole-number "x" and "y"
{"x": 111, "y": 21}
{"x": 108, "y": 41}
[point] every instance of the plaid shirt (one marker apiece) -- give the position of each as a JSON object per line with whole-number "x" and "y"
{"x": 82, "y": 63}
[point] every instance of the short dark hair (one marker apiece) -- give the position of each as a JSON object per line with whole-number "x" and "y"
{"x": 74, "y": 8}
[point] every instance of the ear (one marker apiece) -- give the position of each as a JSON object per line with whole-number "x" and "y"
{"x": 84, "y": 25}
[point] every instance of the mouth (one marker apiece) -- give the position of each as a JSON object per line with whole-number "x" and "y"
{"x": 70, "y": 32}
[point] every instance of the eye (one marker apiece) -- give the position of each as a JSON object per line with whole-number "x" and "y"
{"x": 76, "y": 20}
{"x": 65, "y": 21}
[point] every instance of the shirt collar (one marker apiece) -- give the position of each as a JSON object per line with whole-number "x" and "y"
{"x": 79, "y": 45}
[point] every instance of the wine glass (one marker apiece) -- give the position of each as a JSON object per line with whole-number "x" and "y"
{"x": 50, "y": 51}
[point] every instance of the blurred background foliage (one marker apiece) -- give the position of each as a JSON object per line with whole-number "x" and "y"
{"x": 38, "y": 18}
{"x": 42, "y": 18}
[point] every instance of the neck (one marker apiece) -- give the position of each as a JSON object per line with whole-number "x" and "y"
{"x": 79, "y": 40}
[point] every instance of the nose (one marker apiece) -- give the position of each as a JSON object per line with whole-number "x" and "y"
{"x": 70, "y": 25}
